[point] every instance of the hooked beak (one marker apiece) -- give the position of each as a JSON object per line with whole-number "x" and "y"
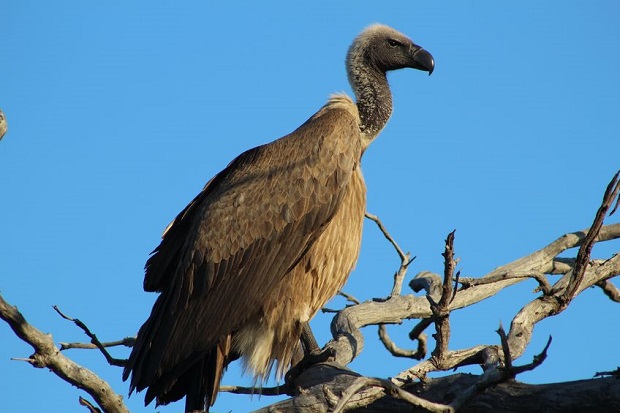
{"x": 422, "y": 60}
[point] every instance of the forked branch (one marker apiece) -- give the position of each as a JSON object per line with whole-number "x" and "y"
{"x": 46, "y": 355}
{"x": 93, "y": 339}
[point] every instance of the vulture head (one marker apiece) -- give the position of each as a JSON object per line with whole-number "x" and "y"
{"x": 382, "y": 48}
{"x": 375, "y": 51}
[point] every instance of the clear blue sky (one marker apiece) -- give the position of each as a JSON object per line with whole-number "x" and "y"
{"x": 119, "y": 113}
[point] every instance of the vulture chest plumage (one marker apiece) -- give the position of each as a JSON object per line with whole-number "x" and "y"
{"x": 272, "y": 333}
{"x": 319, "y": 275}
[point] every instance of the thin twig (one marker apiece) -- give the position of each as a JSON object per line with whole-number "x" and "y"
{"x": 505, "y": 347}
{"x": 29, "y": 360}
{"x": 127, "y": 342}
{"x": 349, "y": 297}
{"x": 93, "y": 339}
{"x": 399, "y": 276}
{"x": 537, "y": 360}
{"x": 455, "y": 287}
{"x": 543, "y": 284}
{"x": 89, "y": 405}
{"x": 613, "y": 373}
{"x": 401, "y": 254}
{"x": 263, "y": 391}
{"x": 405, "y": 258}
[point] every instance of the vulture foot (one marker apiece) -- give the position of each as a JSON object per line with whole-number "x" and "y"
{"x": 312, "y": 354}
{"x": 311, "y": 358}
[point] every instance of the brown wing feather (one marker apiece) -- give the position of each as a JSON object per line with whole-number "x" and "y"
{"x": 249, "y": 226}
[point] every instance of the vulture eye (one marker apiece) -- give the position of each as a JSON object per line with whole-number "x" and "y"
{"x": 393, "y": 43}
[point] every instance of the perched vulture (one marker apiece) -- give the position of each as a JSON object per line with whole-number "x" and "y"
{"x": 268, "y": 241}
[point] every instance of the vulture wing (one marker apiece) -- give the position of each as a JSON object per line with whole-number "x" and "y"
{"x": 244, "y": 232}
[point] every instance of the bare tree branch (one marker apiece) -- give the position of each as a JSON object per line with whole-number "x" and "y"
{"x": 349, "y": 341}
{"x": 543, "y": 284}
{"x": 263, "y": 391}
{"x": 592, "y": 396}
{"x": 537, "y": 361}
{"x": 89, "y": 405}
{"x": 401, "y": 352}
{"x": 127, "y": 342}
{"x": 583, "y": 256}
{"x": 441, "y": 310}
{"x": 405, "y": 258}
{"x": 401, "y": 254}
{"x": 427, "y": 281}
{"x": 610, "y": 290}
{"x": 347, "y": 401}
{"x": 349, "y": 297}
{"x": 505, "y": 347}
{"x": 93, "y": 339}
{"x": 345, "y": 326}
{"x": 572, "y": 283}
{"x": 47, "y": 355}
{"x": 615, "y": 373}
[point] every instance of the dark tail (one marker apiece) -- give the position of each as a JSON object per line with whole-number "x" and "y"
{"x": 196, "y": 378}
{"x": 201, "y": 383}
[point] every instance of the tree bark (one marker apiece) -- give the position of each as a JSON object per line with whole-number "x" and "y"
{"x": 324, "y": 384}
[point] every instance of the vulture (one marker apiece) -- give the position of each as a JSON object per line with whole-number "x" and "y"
{"x": 269, "y": 240}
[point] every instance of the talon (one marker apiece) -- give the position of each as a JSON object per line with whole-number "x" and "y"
{"x": 312, "y": 358}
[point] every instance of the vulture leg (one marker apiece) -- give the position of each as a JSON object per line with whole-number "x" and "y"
{"x": 313, "y": 354}
{"x": 307, "y": 339}
{"x": 308, "y": 344}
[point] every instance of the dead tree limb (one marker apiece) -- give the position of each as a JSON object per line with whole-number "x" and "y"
{"x": 610, "y": 290}
{"x": 599, "y": 395}
{"x": 46, "y": 354}
{"x": 441, "y": 309}
{"x": 583, "y": 256}
{"x": 497, "y": 359}
{"x": 348, "y": 341}
{"x": 401, "y": 352}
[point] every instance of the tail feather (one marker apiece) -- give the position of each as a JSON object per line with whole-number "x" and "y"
{"x": 196, "y": 377}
